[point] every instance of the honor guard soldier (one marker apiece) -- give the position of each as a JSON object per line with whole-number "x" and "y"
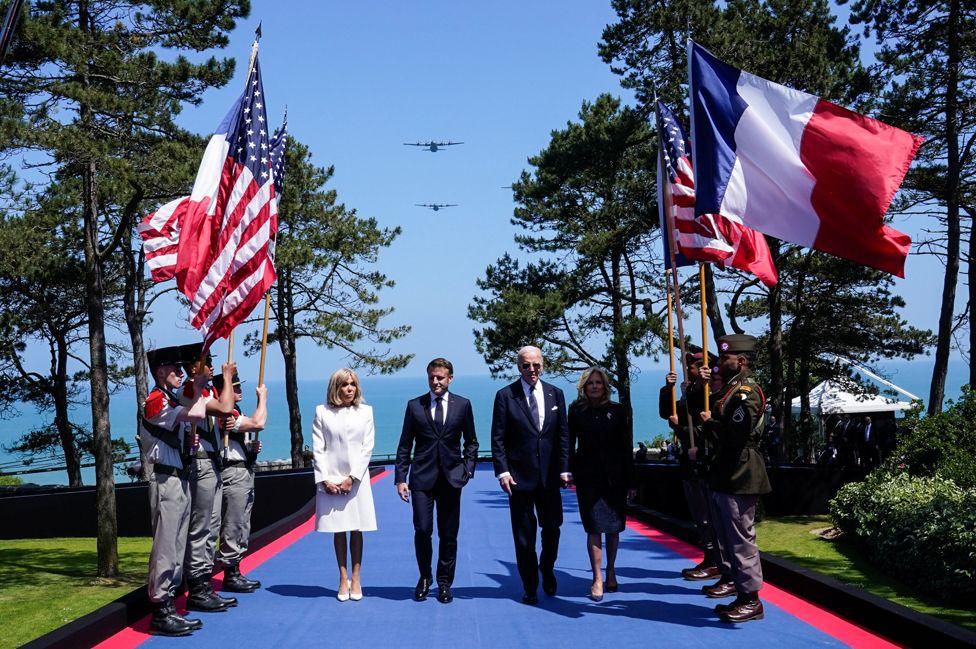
{"x": 237, "y": 477}
{"x": 737, "y": 475}
{"x": 161, "y": 434}
{"x": 693, "y": 472}
{"x": 205, "y": 487}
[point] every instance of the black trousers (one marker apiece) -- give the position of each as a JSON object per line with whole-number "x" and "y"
{"x": 448, "y": 501}
{"x": 542, "y": 507}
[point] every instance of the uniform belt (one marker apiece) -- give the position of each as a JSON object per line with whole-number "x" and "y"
{"x": 165, "y": 469}
{"x": 234, "y": 463}
{"x": 201, "y": 454}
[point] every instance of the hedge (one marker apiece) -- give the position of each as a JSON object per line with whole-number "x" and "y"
{"x": 921, "y": 530}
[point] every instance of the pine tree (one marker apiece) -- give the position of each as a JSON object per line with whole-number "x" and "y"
{"x": 89, "y": 94}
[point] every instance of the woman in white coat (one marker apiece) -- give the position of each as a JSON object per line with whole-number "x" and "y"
{"x": 342, "y": 437}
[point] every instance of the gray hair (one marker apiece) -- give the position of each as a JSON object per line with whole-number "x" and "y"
{"x": 528, "y": 349}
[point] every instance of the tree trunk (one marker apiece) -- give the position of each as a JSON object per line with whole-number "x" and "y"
{"x": 714, "y": 312}
{"x": 620, "y": 356}
{"x": 135, "y": 314}
{"x": 774, "y": 350}
{"x": 806, "y": 424}
{"x": 287, "y": 342}
{"x": 944, "y": 342}
{"x": 107, "y": 527}
{"x": 62, "y": 423}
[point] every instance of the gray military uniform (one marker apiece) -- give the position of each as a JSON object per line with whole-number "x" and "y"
{"x": 238, "y": 499}
{"x": 205, "y": 495}
{"x": 162, "y": 435}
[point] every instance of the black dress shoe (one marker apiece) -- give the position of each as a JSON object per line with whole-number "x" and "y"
{"x": 548, "y": 582}
{"x": 444, "y": 595}
{"x": 743, "y": 612}
{"x": 422, "y": 589}
{"x": 529, "y": 598}
{"x": 704, "y": 570}
{"x": 719, "y": 590}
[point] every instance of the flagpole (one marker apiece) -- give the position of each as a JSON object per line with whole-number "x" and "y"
{"x": 264, "y": 345}
{"x": 230, "y": 359}
{"x": 674, "y": 397}
{"x": 665, "y": 192}
{"x": 704, "y": 325}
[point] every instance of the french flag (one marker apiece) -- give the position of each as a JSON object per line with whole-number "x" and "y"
{"x": 794, "y": 166}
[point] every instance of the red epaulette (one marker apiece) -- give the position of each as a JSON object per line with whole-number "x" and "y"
{"x": 155, "y": 403}
{"x": 188, "y": 388}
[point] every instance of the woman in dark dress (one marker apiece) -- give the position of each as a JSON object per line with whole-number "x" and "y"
{"x": 601, "y": 455}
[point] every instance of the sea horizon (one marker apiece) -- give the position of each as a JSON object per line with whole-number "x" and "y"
{"x": 388, "y": 396}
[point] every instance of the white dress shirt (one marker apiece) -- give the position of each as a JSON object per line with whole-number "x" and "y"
{"x": 433, "y": 406}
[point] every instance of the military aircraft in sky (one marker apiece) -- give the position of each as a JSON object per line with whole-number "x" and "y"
{"x": 436, "y": 206}
{"x": 432, "y": 146}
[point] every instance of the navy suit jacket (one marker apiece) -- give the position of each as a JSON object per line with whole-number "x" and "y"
{"x": 533, "y": 457}
{"x": 436, "y": 450}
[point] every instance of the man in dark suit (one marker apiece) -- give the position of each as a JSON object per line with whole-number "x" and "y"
{"x": 530, "y": 449}
{"x": 433, "y": 427}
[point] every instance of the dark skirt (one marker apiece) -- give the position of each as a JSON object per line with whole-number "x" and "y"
{"x": 603, "y": 511}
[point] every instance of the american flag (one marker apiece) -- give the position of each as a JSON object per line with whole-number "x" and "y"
{"x": 255, "y": 273}
{"x": 219, "y": 242}
{"x": 715, "y": 238}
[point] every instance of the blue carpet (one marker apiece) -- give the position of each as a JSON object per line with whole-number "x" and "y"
{"x": 655, "y": 607}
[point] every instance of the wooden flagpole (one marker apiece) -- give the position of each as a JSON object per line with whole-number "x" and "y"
{"x": 230, "y": 359}
{"x": 264, "y": 344}
{"x": 704, "y": 326}
{"x": 674, "y": 397}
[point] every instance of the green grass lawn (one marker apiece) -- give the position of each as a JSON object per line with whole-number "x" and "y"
{"x": 789, "y": 537}
{"x": 45, "y": 583}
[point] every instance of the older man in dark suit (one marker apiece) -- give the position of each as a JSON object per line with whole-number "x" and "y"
{"x": 433, "y": 428}
{"x": 530, "y": 449}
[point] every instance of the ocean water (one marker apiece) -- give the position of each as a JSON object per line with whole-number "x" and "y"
{"x": 389, "y": 395}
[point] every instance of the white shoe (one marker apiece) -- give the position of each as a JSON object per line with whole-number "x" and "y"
{"x": 342, "y": 597}
{"x": 354, "y": 596}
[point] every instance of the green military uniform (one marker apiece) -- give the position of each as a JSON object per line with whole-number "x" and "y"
{"x": 737, "y": 477}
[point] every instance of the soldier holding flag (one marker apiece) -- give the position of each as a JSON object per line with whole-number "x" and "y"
{"x": 162, "y": 435}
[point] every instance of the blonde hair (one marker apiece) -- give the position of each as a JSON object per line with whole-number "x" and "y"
{"x": 585, "y": 376}
{"x": 338, "y": 378}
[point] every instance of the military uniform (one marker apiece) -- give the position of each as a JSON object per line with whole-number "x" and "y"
{"x": 237, "y": 477}
{"x": 205, "y": 497}
{"x": 737, "y": 477}
{"x": 161, "y": 433}
{"x": 693, "y": 479}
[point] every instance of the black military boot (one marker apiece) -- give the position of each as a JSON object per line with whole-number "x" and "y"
{"x": 202, "y": 598}
{"x": 746, "y": 607}
{"x": 193, "y": 622}
{"x": 235, "y": 582}
{"x": 227, "y": 601}
{"x": 165, "y": 621}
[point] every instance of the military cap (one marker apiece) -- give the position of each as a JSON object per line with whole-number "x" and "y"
{"x": 190, "y": 354}
{"x": 163, "y": 356}
{"x": 737, "y": 344}
{"x": 218, "y": 381}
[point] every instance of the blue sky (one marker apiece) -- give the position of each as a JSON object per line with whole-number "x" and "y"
{"x": 361, "y": 78}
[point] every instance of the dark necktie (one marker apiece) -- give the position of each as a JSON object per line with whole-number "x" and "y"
{"x": 534, "y": 409}
{"x": 439, "y": 414}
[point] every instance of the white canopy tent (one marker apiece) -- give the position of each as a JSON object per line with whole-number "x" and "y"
{"x": 830, "y": 398}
